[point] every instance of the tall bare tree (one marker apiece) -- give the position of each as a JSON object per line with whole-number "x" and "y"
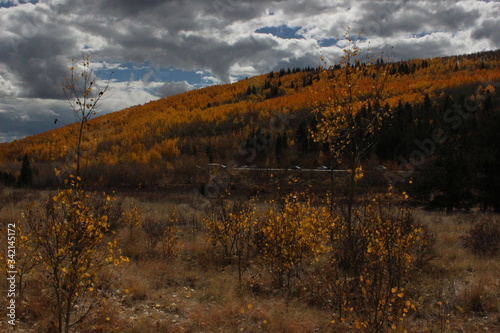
{"x": 83, "y": 93}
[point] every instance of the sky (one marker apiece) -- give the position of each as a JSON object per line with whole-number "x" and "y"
{"x": 159, "y": 48}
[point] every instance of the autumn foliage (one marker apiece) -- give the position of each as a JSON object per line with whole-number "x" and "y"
{"x": 289, "y": 234}
{"x": 68, "y": 238}
{"x": 302, "y": 244}
{"x": 150, "y": 143}
{"x": 352, "y": 252}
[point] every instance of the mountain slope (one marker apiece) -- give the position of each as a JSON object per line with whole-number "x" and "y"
{"x": 262, "y": 120}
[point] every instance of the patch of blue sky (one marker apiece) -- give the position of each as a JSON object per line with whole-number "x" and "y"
{"x": 173, "y": 74}
{"x": 13, "y": 3}
{"x": 359, "y": 38}
{"x": 282, "y": 31}
{"x": 147, "y": 73}
{"x": 422, "y": 34}
{"x": 327, "y": 42}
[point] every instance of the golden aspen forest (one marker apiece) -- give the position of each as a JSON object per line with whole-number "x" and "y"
{"x": 361, "y": 196}
{"x": 161, "y": 141}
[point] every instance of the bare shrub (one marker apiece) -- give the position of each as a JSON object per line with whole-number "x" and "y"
{"x": 114, "y": 211}
{"x": 483, "y": 238}
{"x": 424, "y": 250}
{"x": 161, "y": 231}
{"x": 472, "y": 298}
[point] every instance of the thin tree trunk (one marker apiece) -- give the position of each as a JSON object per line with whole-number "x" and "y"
{"x": 79, "y": 148}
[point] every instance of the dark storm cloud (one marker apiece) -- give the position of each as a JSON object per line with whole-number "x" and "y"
{"x": 38, "y": 67}
{"x": 186, "y": 34}
{"x": 32, "y": 52}
{"x": 196, "y": 34}
{"x": 131, "y": 7}
{"x": 220, "y": 59}
{"x": 489, "y": 31}
{"x": 34, "y": 114}
{"x": 13, "y": 127}
{"x": 392, "y": 18}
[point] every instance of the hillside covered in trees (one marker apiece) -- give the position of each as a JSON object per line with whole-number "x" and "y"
{"x": 443, "y": 122}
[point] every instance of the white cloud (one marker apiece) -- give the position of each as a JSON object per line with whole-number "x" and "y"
{"x": 174, "y": 88}
{"x": 124, "y": 94}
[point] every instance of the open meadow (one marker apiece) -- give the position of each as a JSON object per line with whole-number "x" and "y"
{"x": 188, "y": 271}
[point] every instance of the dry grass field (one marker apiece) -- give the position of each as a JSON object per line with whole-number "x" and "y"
{"x": 181, "y": 283}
